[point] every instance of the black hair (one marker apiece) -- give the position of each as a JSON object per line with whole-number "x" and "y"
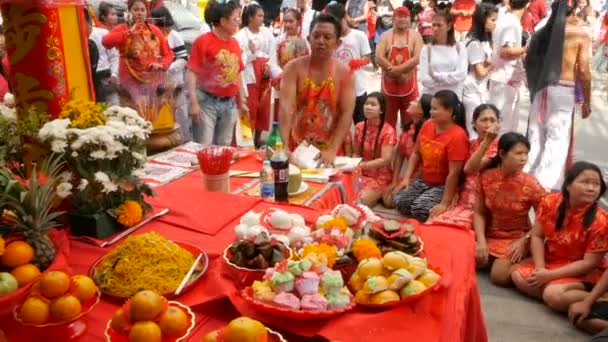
{"x": 296, "y": 14}
{"x": 505, "y": 144}
{"x": 480, "y": 16}
{"x": 163, "y": 17}
{"x": 449, "y": 19}
{"x": 382, "y": 101}
{"x": 520, "y": 4}
{"x": 87, "y": 17}
{"x": 336, "y": 9}
{"x": 482, "y": 107}
{"x": 449, "y": 100}
{"x": 104, "y": 10}
{"x": 425, "y": 104}
{"x": 215, "y": 11}
{"x": 324, "y": 18}
{"x": 131, "y": 3}
{"x": 573, "y": 172}
{"x": 249, "y": 12}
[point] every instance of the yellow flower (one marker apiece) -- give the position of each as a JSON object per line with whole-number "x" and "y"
{"x": 129, "y": 213}
{"x": 339, "y": 223}
{"x": 321, "y": 249}
{"x": 365, "y": 249}
{"x": 83, "y": 114}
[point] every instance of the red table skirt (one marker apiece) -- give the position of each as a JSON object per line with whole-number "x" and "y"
{"x": 451, "y": 314}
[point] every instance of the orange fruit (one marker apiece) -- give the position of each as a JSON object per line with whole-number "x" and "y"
{"x": 35, "y": 310}
{"x": 54, "y": 284}
{"x": 173, "y": 322}
{"x": 145, "y": 331}
{"x": 120, "y": 322}
{"x": 65, "y": 308}
{"x": 145, "y": 306}
{"x": 245, "y": 329}
{"x": 83, "y": 288}
{"x": 213, "y": 336}
{"x": 25, "y": 274}
{"x": 17, "y": 253}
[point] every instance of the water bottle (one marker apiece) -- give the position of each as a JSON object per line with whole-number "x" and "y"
{"x": 275, "y": 135}
{"x": 280, "y": 166}
{"x": 267, "y": 181}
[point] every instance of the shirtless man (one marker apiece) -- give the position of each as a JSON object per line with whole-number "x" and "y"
{"x": 550, "y": 122}
{"x": 397, "y": 54}
{"x": 317, "y": 94}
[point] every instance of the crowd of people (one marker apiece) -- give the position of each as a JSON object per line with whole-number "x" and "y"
{"x": 438, "y": 141}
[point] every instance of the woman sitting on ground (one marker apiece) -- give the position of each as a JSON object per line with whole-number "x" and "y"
{"x": 568, "y": 241}
{"x": 483, "y": 149}
{"x": 441, "y": 149}
{"x": 505, "y": 196}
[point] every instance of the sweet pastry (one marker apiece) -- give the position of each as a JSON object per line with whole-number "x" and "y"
{"x": 332, "y": 282}
{"x": 375, "y": 284}
{"x": 308, "y": 283}
{"x": 280, "y": 219}
{"x": 413, "y": 288}
{"x": 295, "y": 179}
{"x": 394, "y": 261}
{"x": 250, "y": 218}
{"x": 428, "y": 278}
{"x": 369, "y": 268}
{"x": 262, "y": 291}
{"x": 417, "y": 267}
{"x": 287, "y": 300}
{"x": 398, "y": 279}
{"x": 356, "y": 282}
{"x": 281, "y": 238}
{"x": 337, "y": 301}
{"x": 298, "y": 233}
{"x": 385, "y": 296}
{"x": 314, "y": 302}
{"x": 322, "y": 219}
{"x": 240, "y": 230}
{"x": 282, "y": 282}
{"x": 297, "y": 220}
{"x": 362, "y": 297}
{"x": 298, "y": 267}
{"x": 350, "y": 214}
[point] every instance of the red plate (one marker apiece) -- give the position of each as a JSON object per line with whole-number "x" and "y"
{"x": 409, "y": 299}
{"x": 113, "y": 336}
{"x": 245, "y": 276}
{"x": 247, "y": 294}
{"x": 202, "y": 266}
{"x": 86, "y": 307}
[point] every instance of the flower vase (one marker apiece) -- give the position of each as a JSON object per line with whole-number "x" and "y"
{"x": 33, "y": 152}
{"x": 99, "y": 225}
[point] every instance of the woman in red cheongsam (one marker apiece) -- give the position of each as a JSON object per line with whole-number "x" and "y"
{"x": 568, "y": 241}
{"x": 504, "y": 199}
{"x": 482, "y": 149}
{"x": 374, "y": 141}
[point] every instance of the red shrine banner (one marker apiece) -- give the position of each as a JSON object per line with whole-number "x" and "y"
{"x": 47, "y": 49}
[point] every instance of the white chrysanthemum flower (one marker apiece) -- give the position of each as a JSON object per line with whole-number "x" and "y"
{"x": 64, "y": 189}
{"x": 9, "y": 99}
{"x": 139, "y": 173}
{"x": 74, "y": 154}
{"x": 83, "y": 184}
{"x": 55, "y": 129}
{"x": 104, "y": 179}
{"x": 66, "y": 176}
{"x": 59, "y": 145}
{"x": 8, "y": 113}
{"x": 99, "y": 154}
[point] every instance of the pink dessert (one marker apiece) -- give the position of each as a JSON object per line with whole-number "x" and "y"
{"x": 314, "y": 302}
{"x": 268, "y": 274}
{"x": 308, "y": 283}
{"x": 287, "y": 300}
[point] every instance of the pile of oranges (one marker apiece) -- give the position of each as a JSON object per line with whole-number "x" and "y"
{"x": 148, "y": 317}
{"x": 17, "y": 257}
{"x": 57, "y": 298}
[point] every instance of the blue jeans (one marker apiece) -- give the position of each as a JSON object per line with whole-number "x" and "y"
{"x": 216, "y": 123}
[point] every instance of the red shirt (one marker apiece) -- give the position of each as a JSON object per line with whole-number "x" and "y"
{"x": 437, "y": 150}
{"x": 217, "y": 64}
{"x": 537, "y": 10}
{"x": 462, "y": 23}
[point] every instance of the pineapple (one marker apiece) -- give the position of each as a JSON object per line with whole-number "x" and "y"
{"x": 33, "y": 210}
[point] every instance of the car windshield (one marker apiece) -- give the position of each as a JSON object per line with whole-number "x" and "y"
{"x": 183, "y": 18}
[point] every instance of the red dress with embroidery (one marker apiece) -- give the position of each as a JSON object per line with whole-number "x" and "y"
{"x": 461, "y": 216}
{"x": 316, "y": 118}
{"x": 572, "y": 241}
{"x": 508, "y": 200}
{"x": 379, "y": 178}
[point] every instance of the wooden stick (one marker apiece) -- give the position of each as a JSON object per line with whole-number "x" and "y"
{"x": 188, "y": 275}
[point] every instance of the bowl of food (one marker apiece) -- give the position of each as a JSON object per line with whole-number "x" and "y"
{"x": 246, "y": 261}
{"x": 148, "y": 262}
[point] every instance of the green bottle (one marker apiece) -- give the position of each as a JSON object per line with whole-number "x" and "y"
{"x": 275, "y": 136}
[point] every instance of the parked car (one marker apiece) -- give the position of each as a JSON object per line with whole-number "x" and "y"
{"x": 186, "y": 24}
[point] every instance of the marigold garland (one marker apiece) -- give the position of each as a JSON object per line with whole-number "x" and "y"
{"x": 365, "y": 249}
{"x": 83, "y": 114}
{"x": 322, "y": 249}
{"x": 130, "y": 213}
{"x": 338, "y": 222}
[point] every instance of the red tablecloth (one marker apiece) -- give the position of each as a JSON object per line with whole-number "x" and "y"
{"x": 451, "y": 314}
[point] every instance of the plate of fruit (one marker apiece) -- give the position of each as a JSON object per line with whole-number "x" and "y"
{"x": 244, "y": 329}
{"x": 394, "y": 279}
{"x": 150, "y": 317}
